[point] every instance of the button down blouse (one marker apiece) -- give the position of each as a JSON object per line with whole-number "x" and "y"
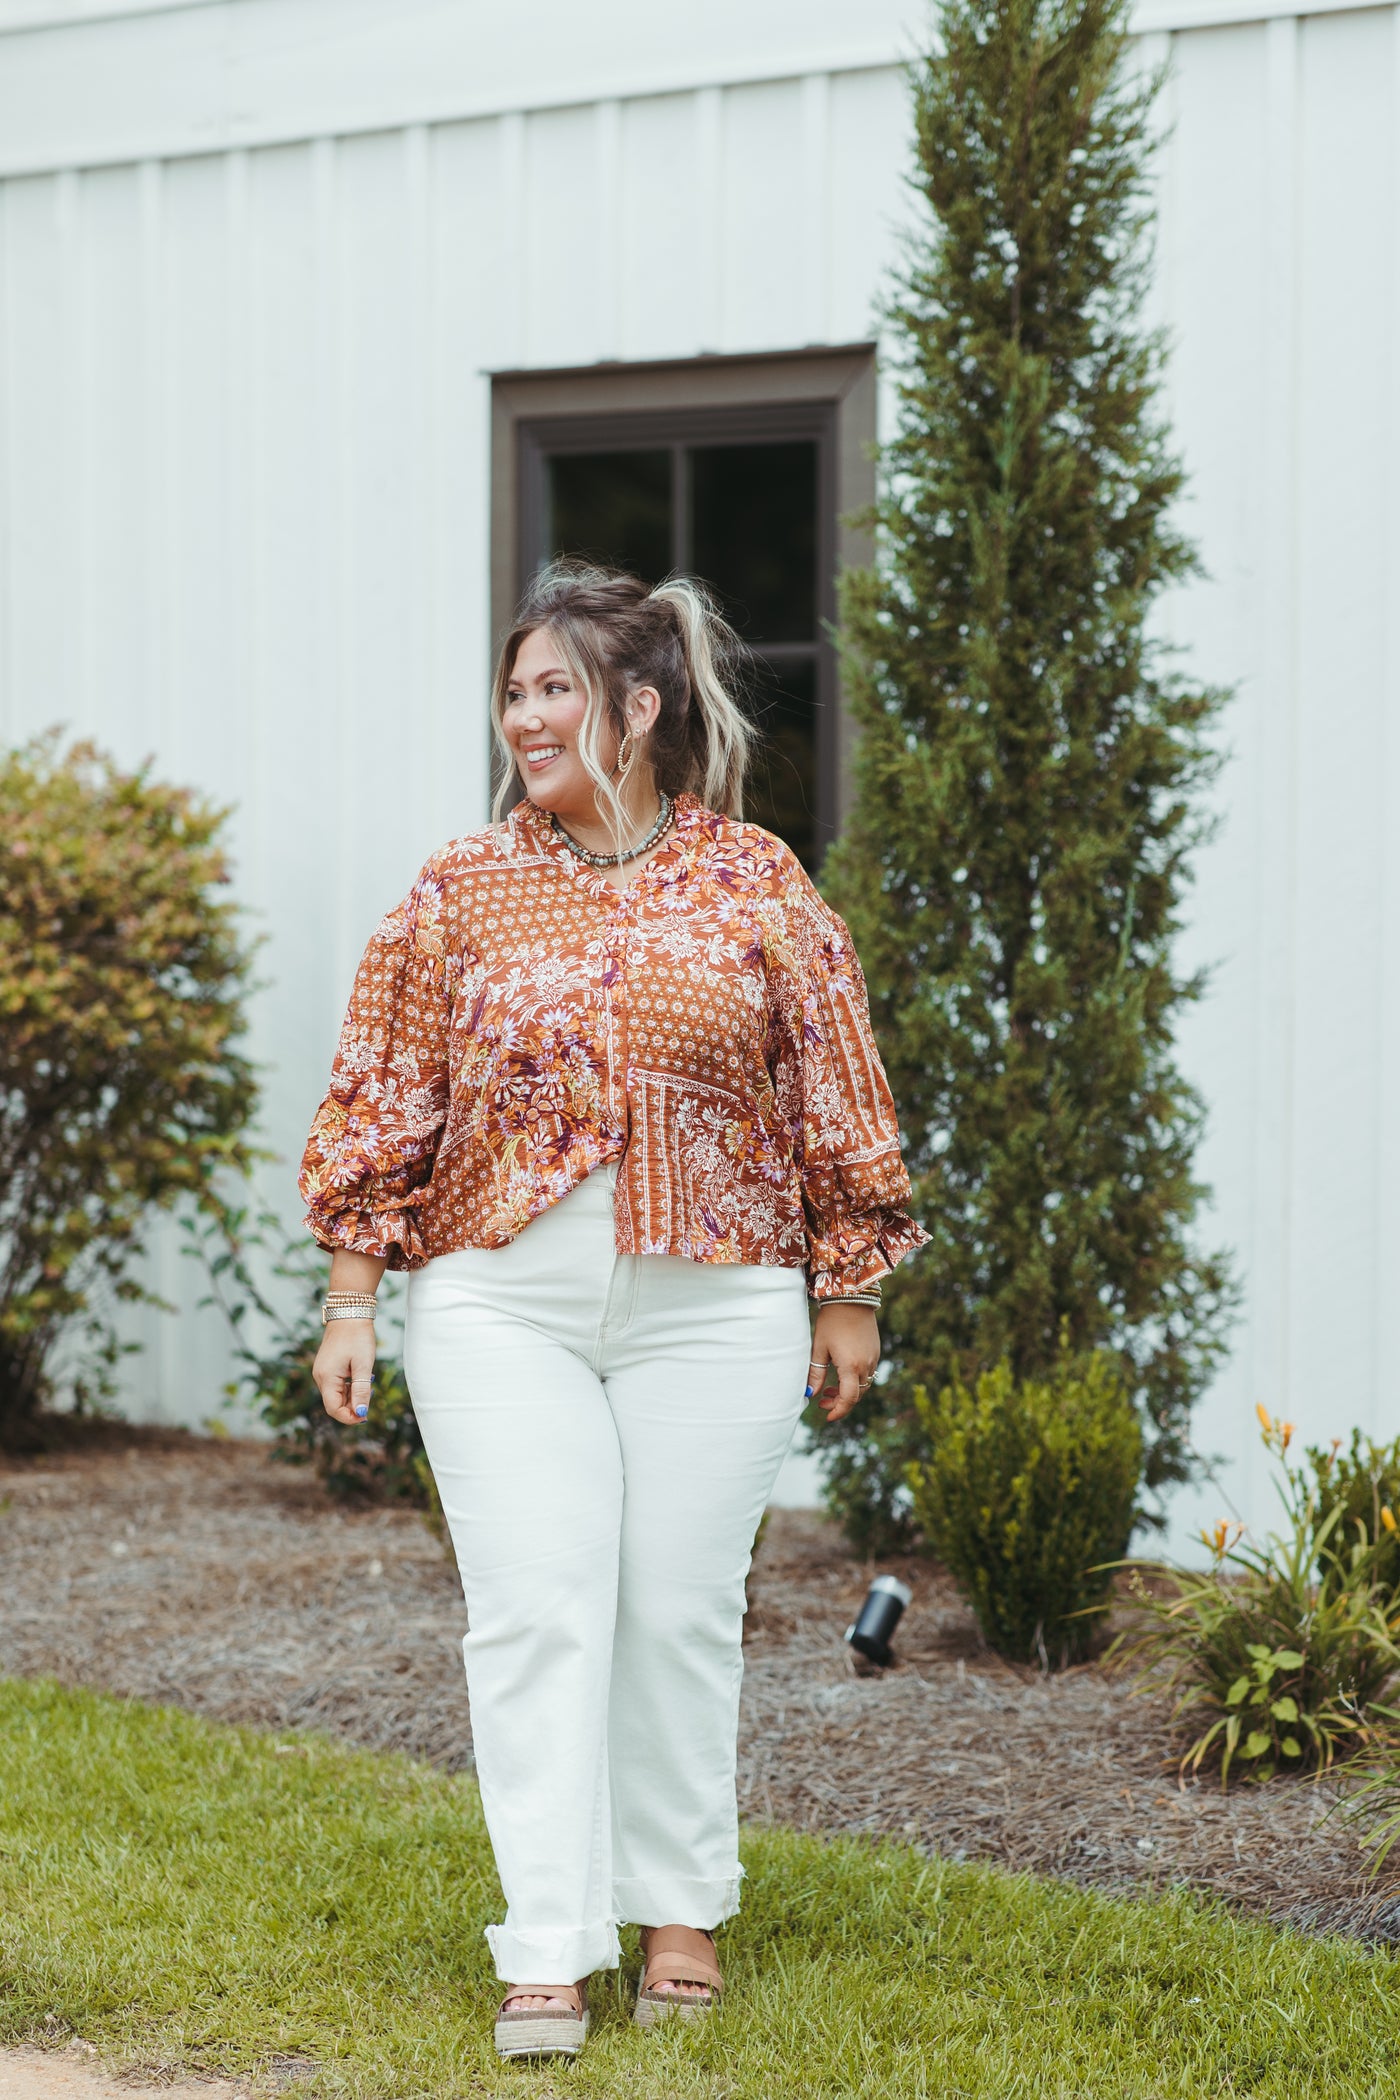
{"x": 519, "y": 1021}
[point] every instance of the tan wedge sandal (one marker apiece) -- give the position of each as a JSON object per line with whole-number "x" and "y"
{"x": 543, "y": 2030}
{"x": 668, "y": 1961}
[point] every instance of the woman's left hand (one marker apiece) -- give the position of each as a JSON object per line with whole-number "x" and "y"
{"x": 846, "y": 1342}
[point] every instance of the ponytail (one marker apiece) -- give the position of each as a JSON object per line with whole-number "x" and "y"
{"x": 721, "y": 734}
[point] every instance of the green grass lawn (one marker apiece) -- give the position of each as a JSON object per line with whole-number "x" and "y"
{"x": 186, "y": 1895}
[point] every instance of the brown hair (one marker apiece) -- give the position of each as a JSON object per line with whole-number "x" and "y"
{"x": 615, "y": 635}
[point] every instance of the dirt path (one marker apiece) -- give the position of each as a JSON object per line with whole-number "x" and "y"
{"x": 74, "y": 2074}
{"x": 197, "y": 1573}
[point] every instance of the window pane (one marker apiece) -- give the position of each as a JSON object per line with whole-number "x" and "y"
{"x": 754, "y": 535}
{"x": 613, "y": 507}
{"x": 782, "y": 786}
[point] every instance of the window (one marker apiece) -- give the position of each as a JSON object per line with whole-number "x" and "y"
{"x": 746, "y": 493}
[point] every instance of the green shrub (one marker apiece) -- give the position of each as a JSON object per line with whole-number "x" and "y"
{"x": 121, "y": 989}
{"x": 380, "y": 1459}
{"x": 1283, "y": 1650}
{"x": 1363, "y": 1483}
{"x": 1029, "y": 1491}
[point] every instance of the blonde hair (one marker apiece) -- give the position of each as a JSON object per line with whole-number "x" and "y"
{"x": 616, "y": 635}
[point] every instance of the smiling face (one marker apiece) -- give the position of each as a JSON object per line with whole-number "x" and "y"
{"x": 542, "y": 719}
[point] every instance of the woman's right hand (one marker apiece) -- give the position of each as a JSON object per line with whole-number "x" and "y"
{"x": 344, "y": 1369}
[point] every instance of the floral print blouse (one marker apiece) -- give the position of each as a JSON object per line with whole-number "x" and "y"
{"x": 518, "y": 1021}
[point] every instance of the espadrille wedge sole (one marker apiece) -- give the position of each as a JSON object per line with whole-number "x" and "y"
{"x": 542, "y": 2030}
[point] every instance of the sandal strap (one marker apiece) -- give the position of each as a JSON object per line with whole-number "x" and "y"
{"x": 667, "y": 1961}
{"x": 576, "y": 1991}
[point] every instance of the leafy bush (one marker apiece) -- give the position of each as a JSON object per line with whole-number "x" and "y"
{"x": 1283, "y": 1649}
{"x": 1363, "y": 1484}
{"x": 121, "y": 988}
{"x": 380, "y": 1459}
{"x": 1029, "y": 1491}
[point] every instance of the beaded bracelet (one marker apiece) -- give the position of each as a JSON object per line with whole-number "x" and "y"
{"x": 347, "y": 1305}
{"x": 870, "y": 1298}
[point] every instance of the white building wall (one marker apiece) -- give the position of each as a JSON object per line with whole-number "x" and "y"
{"x": 257, "y": 258}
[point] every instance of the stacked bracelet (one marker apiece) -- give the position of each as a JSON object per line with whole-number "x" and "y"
{"x": 870, "y": 1298}
{"x": 348, "y": 1305}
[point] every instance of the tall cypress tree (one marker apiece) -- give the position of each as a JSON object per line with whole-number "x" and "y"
{"x": 1030, "y": 764}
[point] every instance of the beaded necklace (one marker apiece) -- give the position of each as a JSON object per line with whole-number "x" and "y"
{"x": 615, "y": 860}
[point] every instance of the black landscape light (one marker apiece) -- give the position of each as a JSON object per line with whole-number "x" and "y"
{"x": 879, "y": 1615}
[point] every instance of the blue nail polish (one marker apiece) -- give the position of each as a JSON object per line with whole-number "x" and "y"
{"x": 808, "y": 1394}
{"x": 362, "y": 1412}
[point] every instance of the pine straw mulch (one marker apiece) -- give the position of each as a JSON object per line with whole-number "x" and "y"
{"x": 198, "y": 1573}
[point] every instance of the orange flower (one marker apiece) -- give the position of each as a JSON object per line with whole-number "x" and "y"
{"x": 1266, "y": 1420}
{"x": 1388, "y": 1519}
{"x": 1221, "y": 1538}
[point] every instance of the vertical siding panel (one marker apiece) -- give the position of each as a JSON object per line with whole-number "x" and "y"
{"x": 476, "y": 269}
{"x": 244, "y": 440}
{"x": 329, "y": 356}
{"x": 73, "y": 609}
{"x": 1386, "y": 1345}
{"x": 154, "y": 412}
{"x": 81, "y": 198}
{"x": 607, "y": 119}
{"x": 711, "y": 314}
{"x": 665, "y": 223}
{"x": 113, "y": 461}
{"x": 1211, "y": 292}
{"x": 562, "y": 238}
{"x": 512, "y": 282}
{"x": 291, "y": 563}
{"x": 9, "y": 715}
{"x": 206, "y": 736}
{"x": 381, "y": 721}
{"x": 815, "y": 238}
{"x": 185, "y": 255}
{"x": 765, "y": 210}
{"x": 420, "y": 406}
{"x": 186, "y": 1356}
{"x": 1271, "y": 1308}
{"x": 1342, "y": 373}
{"x": 868, "y": 201}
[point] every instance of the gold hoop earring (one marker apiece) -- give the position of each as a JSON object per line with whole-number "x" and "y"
{"x": 622, "y": 766}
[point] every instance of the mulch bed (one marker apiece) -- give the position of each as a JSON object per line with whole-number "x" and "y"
{"x": 196, "y": 1572}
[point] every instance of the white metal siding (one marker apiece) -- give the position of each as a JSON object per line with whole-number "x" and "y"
{"x": 256, "y": 258}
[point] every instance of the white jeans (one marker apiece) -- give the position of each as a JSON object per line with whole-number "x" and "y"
{"x": 604, "y": 1430}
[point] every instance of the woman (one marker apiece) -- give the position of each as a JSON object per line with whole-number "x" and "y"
{"x": 607, "y": 1088}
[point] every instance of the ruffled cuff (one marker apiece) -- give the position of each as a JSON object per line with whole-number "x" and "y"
{"x": 861, "y": 1251}
{"x": 393, "y": 1233}
{"x": 858, "y": 1229}
{"x": 362, "y": 1181}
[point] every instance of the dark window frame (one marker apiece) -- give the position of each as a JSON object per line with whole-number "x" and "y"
{"x": 825, "y": 395}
